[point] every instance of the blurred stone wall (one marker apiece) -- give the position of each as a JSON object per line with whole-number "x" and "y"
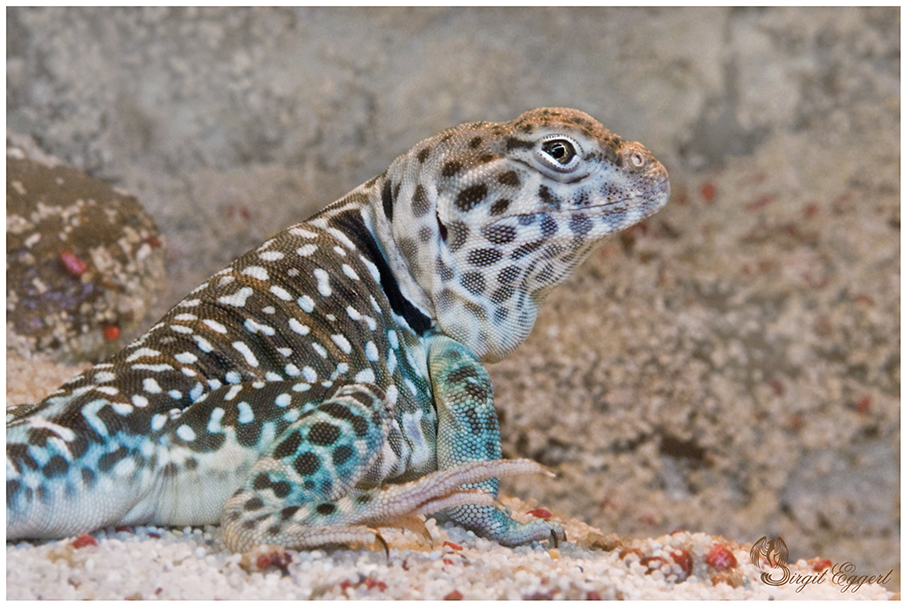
{"x": 731, "y": 367}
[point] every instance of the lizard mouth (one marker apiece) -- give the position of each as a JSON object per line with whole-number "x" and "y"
{"x": 646, "y": 204}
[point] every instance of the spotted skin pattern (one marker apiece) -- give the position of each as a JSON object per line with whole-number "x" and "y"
{"x": 330, "y": 382}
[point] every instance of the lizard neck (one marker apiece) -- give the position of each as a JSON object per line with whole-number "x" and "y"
{"x": 412, "y": 298}
{"x": 427, "y": 253}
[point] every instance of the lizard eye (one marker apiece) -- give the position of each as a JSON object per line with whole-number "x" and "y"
{"x": 559, "y": 154}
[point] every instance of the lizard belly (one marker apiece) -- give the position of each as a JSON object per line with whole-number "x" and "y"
{"x": 194, "y": 495}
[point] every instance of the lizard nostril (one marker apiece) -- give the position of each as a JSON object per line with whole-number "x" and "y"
{"x": 636, "y": 160}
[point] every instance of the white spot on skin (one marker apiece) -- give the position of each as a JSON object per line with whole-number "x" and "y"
{"x": 214, "y": 426}
{"x": 268, "y": 310}
{"x": 150, "y": 385}
{"x": 309, "y": 373}
{"x": 257, "y": 272}
{"x": 306, "y": 303}
{"x": 320, "y": 350}
{"x": 391, "y": 362}
{"x": 188, "y": 371}
{"x": 271, "y": 255}
{"x": 233, "y": 377}
{"x": 282, "y": 400}
{"x": 322, "y": 277}
{"x": 64, "y": 433}
{"x": 108, "y": 390}
{"x": 224, "y": 281}
{"x": 291, "y": 370}
{"x": 122, "y": 408}
{"x": 203, "y": 344}
{"x": 139, "y": 401}
{"x": 375, "y": 305}
{"x": 411, "y": 386}
{"x": 302, "y": 233}
{"x": 187, "y": 358}
{"x": 175, "y": 394}
{"x": 355, "y": 315}
{"x": 215, "y": 326}
{"x": 372, "y": 269}
{"x": 281, "y": 293}
{"x": 90, "y": 413}
{"x": 181, "y": 329}
{"x": 196, "y": 392}
{"x": 342, "y": 343}
{"x": 339, "y": 235}
{"x": 391, "y": 393}
{"x": 271, "y": 376}
{"x": 214, "y": 384}
{"x": 244, "y": 349}
{"x": 142, "y": 353}
{"x": 155, "y": 368}
{"x": 301, "y": 387}
{"x": 340, "y": 251}
{"x": 293, "y": 272}
{"x": 392, "y": 338}
{"x": 189, "y": 317}
{"x": 255, "y": 327}
{"x": 232, "y": 392}
{"x": 104, "y": 376}
{"x": 186, "y": 433}
{"x": 371, "y": 351}
{"x": 306, "y": 250}
{"x": 125, "y": 467}
{"x": 285, "y": 352}
{"x": 158, "y": 421}
{"x": 238, "y": 299}
{"x": 189, "y": 303}
{"x": 298, "y": 327}
{"x": 366, "y": 376}
{"x": 245, "y": 413}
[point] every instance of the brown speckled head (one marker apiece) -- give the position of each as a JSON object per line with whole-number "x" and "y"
{"x": 489, "y": 216}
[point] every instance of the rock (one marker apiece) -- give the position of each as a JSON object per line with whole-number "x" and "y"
{"x": 84, "y": 261}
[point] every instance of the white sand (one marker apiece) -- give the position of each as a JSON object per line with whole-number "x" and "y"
{"x": 157, "y": 563}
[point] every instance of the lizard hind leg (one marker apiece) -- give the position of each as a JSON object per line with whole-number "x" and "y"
{"x": 315, "y": 461}
{"x": 321, "y": 481}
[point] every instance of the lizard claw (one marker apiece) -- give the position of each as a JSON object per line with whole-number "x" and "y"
{"x": 556, "y": 536}
{"x": 381, "y": 540}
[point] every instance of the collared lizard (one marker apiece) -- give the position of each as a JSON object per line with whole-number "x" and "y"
{"x": 330, "y": 381}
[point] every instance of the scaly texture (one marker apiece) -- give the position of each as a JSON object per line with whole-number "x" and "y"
{"x": 330, "y": 381}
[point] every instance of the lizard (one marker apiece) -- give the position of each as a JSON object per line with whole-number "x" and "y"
{"x": 331, "y": 381}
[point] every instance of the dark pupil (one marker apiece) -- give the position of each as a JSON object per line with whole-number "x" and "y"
{"x": 560, "y": 151}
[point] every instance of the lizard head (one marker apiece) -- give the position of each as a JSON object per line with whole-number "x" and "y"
{"x": 490, "y": 216}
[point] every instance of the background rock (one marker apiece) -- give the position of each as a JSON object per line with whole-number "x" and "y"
{"x": 84, "y": 262}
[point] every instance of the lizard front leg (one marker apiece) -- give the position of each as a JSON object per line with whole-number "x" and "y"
{"x": 468, "y": 432}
